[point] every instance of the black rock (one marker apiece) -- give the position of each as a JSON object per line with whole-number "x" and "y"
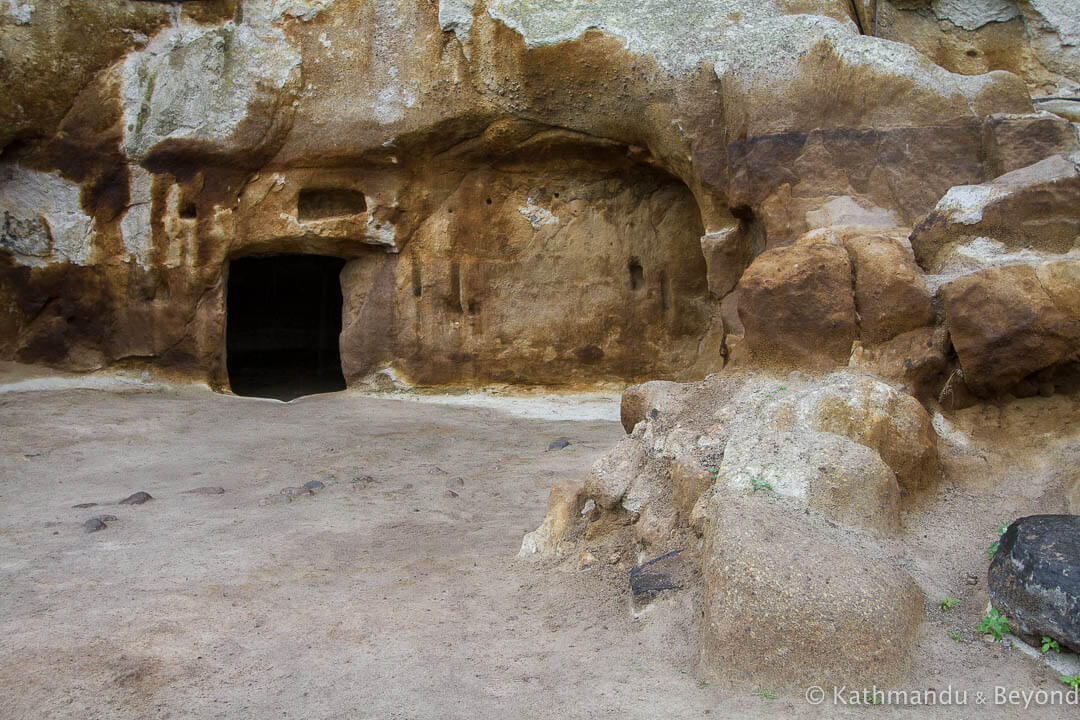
{"x": 1034, "y": 578}
{"x": 136, "y": 499}
{"x": 667, "y": 572}
{"x": 105, "y": 518}
{"x": 314, "y": 485}
{"x": 93, "y": 525}
{"x": 558, "y": 444}
{"x": 83, "y": 506}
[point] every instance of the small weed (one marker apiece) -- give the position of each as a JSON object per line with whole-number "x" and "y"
{"x": 760, "y": 484}
{"x": 765, "y": 694}
{"x": 994, "y": 545}
{"x": 995, "y": 624}
{"x": 1049, "y": 644}
{"x": 956, "y": 636}
{"x": 948, "y": 602}
{"x": 713, "y": 471}
{"x": 681, "y": 671}
{"x": 1073, "y": 681}
{"x": 702, "y": 684}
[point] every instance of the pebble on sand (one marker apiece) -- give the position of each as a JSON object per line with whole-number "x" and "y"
{"x": 136, "y": 498}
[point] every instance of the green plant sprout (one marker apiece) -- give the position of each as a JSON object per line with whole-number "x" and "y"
{"x": 994, "y": 545}
{"x": 956, "y": 636}
{"x": 1073, "y": 681}
{"x": 948, "y": 602}
{"x": 765, "y": 694}
{"x": 1049, "y": 644}
{"x": 994, "y": 624}
{"x": 760, "y": 484}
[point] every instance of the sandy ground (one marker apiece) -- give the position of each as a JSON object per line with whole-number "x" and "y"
{"x": 386, "y": 597}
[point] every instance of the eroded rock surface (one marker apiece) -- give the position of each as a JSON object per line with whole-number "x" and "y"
{"x": 1033, "y": 578}
{"x": 565, "y": 195}
{"x": 790, "y": 485}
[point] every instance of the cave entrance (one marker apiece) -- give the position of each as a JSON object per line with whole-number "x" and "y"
{"x": 283, "y": 319}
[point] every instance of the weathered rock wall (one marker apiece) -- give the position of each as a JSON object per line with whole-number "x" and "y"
{"x": 560, "y": 194}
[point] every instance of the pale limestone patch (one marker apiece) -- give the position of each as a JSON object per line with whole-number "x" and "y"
{"x": 769, "y": 54}
{"x": 261, "y": 12}
{"x": 845, "y": 211}
{"x": 456, "y": 16}
{"x": 964, "y": 204}
{"x": 135, "y": 225}
{"x": 43, "y": 219}
{"x": 679, "y": 36}
{"x": 973, "y": 14}
{"x": 20, "y": 12}
{"x": 197, "y": 83}
{"x": 537, "y": 216}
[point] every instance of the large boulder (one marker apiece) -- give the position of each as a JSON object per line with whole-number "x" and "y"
{"x": 1005, "y": 324}
{"x": 563, "y": 513}
{"x": 891, "y": 296}
{"x": 845, "y": 481}
{"x": 1034, "y": 578}
{"x": 1033, "y": 209}
{"x": 913, "y": 360}
{"x": 796, "y": 305}
{"x": 871, "y": 413}
{"x": 650, "y": 399}
{"x": 790, "y": 602}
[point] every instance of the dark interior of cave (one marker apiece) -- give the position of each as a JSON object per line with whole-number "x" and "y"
{"x": 283, "y": 323}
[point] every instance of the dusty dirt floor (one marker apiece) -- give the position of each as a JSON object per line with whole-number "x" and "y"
{"x": 383, "y": 596}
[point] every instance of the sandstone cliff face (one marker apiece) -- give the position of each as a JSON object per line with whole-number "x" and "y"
{"x": 572, "y": 192}
{"x": 560, "y": 193}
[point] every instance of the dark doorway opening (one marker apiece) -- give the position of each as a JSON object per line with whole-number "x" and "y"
{"x": 283, "y": 323}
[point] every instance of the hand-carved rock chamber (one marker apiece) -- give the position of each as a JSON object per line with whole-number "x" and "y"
{"x": 557, "y": 196}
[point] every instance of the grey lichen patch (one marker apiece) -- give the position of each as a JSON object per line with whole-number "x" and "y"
{"x": 42, "y": 217}
{"x": 26, "y": 236}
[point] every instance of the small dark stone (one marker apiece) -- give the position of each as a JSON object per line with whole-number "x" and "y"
{"x": 105, "y": 518}
{"x": 649, "y": 579}
{"x": 83, "y": 506}
{"x": 654, "y": 413}
{"x": 437, "y": 471}
{"x": 1034, "y": 578}
{"x": 212, "y": 490}
{"x": 93, "y": 525}
{"x": 558, "y": 444}
{"x": 136, "y": 499}
{"x": 455, "y": 482}
{"x": 314, "y": 485}
{"x": 363, "y": 479}
{"x": 451, "y": 493}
